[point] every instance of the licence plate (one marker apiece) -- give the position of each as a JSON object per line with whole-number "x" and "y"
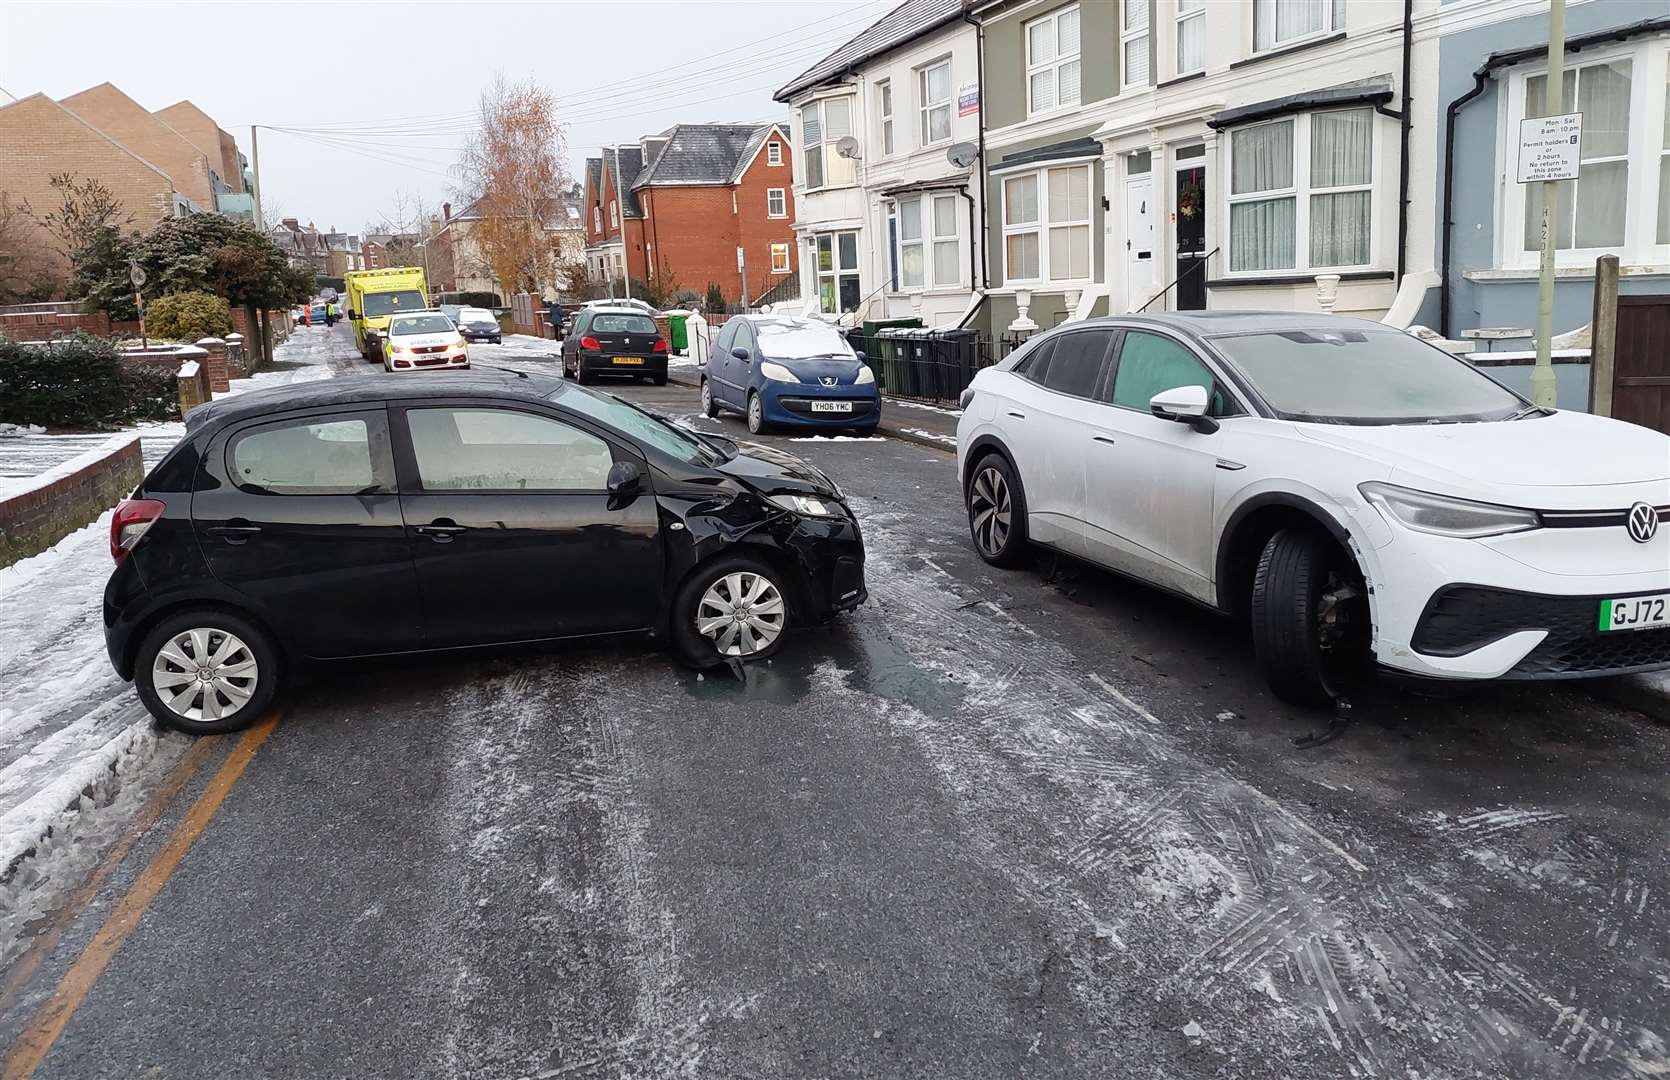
{"x": 832, "y": 406}
{"x": 1635, "y": 612}
{"x": 628, "y": 360}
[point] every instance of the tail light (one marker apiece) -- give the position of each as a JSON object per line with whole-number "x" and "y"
{"x": 589, "y": 342}
{"x": 660, "y": 345}
{"x": 133, "y": 518}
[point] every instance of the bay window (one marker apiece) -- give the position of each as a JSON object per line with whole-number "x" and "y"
{"x": 1191, "y": 35}
{"x": 1620, "y": 202}
{"x": 1046, "y": 225}
{"x": 822, "y": 125}
{"x": 1301, "y": 193}
{"x": 1052, "y": 61}
{"x": 930, "y": 245}
{"x": 1278, "y": 22}
{"x": 1133, "y": 44}
{"x": 933, "y": 91}
{"x": 837, "y": 272}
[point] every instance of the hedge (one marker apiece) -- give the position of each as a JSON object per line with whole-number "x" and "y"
{"x": 79, "y": 381}
{"x": 188, "y": 316}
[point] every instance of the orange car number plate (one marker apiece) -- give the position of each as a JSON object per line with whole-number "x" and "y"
{"x": 628, "y": 360}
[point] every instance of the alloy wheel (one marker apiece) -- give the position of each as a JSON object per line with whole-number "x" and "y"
{"x": 756, "y": 415}
{"x": 707, "y": 397}
{"x": 205, "y": 674}
{"x": 988, "y": 511}
{"x": 741, "y": 613}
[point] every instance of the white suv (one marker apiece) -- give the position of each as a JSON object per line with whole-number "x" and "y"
{"x": 1361, "y": 496}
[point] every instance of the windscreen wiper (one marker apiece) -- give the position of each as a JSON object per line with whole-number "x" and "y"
{"x": 1530, "y": 409}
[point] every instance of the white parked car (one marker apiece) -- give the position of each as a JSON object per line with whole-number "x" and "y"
{"x": 423, "y": 339}
{"x": 1362, "y": 497}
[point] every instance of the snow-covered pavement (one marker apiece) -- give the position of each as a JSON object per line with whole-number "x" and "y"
{"x": 73, "y": 736}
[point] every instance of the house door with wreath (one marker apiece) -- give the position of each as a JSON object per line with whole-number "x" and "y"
{"x": 1190, "y": 231}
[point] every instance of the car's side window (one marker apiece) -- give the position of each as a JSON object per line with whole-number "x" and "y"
{"x": 1037, "y": 363}
{"x": 727, "y": 334}
{"x": 745, "y": 338}
{"x": 1150, "y": 364}
{"x": 478, "y": 449}
{"x": 344, "y": 454}
{"x": 1076, "y": 366}
{"x": 582, "y": 323}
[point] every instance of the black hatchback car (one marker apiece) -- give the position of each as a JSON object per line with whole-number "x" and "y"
{"x": 614, "y": 341}
{"x": 366, "y": 516}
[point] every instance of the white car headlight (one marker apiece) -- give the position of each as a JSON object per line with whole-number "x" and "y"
{"x": 865, "y": 375}
{"x": 777, "y": 372}
{"x": 809, "y": 505}
{"x": 1444, "y": 515}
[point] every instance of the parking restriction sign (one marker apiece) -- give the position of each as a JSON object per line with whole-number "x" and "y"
{"x": 1548, "y": 147}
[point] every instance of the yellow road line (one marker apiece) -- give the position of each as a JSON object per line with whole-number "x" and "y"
{"x": 180, "y": 775}
{"x": 36, "y": 1041}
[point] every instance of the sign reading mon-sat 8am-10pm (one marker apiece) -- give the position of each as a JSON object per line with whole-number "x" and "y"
{"x": 1548, "y": 147}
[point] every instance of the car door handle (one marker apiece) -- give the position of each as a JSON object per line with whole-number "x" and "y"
{"x": 236, "y": 531}
{"x": 1102, "y": 439}
{"x": 441, "y": 531}
{"x": 1017, "y": 415}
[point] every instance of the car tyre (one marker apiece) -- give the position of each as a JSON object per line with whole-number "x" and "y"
{"x": 1309, "y": 618}
{"x": 710, "y": 407}
{"x": 242, "y": 664}
{"x": 580, "y": 375}
{"x": 997, "y": 511}
{"x": 659, "y": 380}
{"x": 712, "y": 594}
{"x": 756, "y": 414}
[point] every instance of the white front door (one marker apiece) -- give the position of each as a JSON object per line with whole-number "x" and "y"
{"x": 1139, "y": 241}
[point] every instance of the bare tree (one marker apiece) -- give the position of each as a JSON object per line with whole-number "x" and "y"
{"x": 85, "y": 209}
{"x": 513, "y": 169}
{"x": 28, "y": 271}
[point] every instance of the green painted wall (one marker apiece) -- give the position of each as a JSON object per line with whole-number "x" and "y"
{"x": 1098, "y": 233}
{"x": 1005, "y": 59}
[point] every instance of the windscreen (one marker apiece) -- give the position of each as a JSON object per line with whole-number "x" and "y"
{"x": 622, "y": 324}
{"x": 390, "y": 303}
{"x": 420, "y": 324}
{"x": 800, "y": 339}
{"x": 637, "y": 423}
{"x": 1364, "y": 377}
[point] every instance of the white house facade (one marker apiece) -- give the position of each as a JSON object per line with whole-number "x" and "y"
{"x": 889, "y": 221}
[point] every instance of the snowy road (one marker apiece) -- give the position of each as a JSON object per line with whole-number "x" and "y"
{"x": 994, "y": 824}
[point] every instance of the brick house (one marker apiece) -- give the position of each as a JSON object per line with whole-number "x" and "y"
{"x": 614, "y": 229}
{"x": 43, "y": 139}
{"x": 148, "y": 135}
{"x": 218, "y": 146}
{"x": 704, "y": 193}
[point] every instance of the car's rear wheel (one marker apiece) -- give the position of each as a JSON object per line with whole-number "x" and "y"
{"x": 659, "y": 380}
{"x": 735, "y": 608}
{"x": 710, "y": 408}
{"x": 206, "y": 672}
{"x": 997, "y": 511}
{"x": 1310, "y": 618}
{"x": 580, "y": 375}
{"x": 756, "y": 414}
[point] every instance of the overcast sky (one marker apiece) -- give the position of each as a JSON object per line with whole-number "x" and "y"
{"x": 389, "y": 89}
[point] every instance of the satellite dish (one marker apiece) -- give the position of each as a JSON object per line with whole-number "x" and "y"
{"x": 846, "y": 146}
{"x": 963, "y": 154}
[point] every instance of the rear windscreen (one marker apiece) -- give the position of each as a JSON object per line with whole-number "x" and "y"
{"x": 622, "y": 324}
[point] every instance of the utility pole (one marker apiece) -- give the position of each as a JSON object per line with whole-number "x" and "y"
{"x": 620, "y": 209}
{"x": 255, "y": 153}
{"x": 1542, "y": 375}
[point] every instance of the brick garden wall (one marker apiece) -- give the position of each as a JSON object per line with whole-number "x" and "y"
{"x": 72, "y": 495}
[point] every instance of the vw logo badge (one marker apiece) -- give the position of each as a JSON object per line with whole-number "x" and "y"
{"x": 1642, "y": 522}
{"x": 827, "y": 380}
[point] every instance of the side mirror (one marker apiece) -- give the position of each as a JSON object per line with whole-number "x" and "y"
{"x": 742, "y": 354}
{"x": 860, "y": 354}
{"x": 625, "y": 480}
{"x": 352, "y": 314}
{"x": 1186, "y": 405}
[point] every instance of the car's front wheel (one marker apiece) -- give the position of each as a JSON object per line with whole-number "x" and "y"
{"x": 735, "y": 608}
{"x": 710, "y": 408}
{"x": 997, "y": 511}
{"x": 1310, "y": 618}
{"x": 756, "y": 414}
{"x": 206, "y": 672}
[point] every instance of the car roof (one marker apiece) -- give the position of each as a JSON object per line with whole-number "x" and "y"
{"x": 1207, "y": 324}
{"x": 617, "y": 311}
{"x": 351, "y": 390}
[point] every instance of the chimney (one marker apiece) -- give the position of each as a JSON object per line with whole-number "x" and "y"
{"x": 446, "y": 211}
{"x": 291, "y": 223}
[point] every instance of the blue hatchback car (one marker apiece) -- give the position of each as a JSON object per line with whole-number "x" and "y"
{"x": 779, "y": 370}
